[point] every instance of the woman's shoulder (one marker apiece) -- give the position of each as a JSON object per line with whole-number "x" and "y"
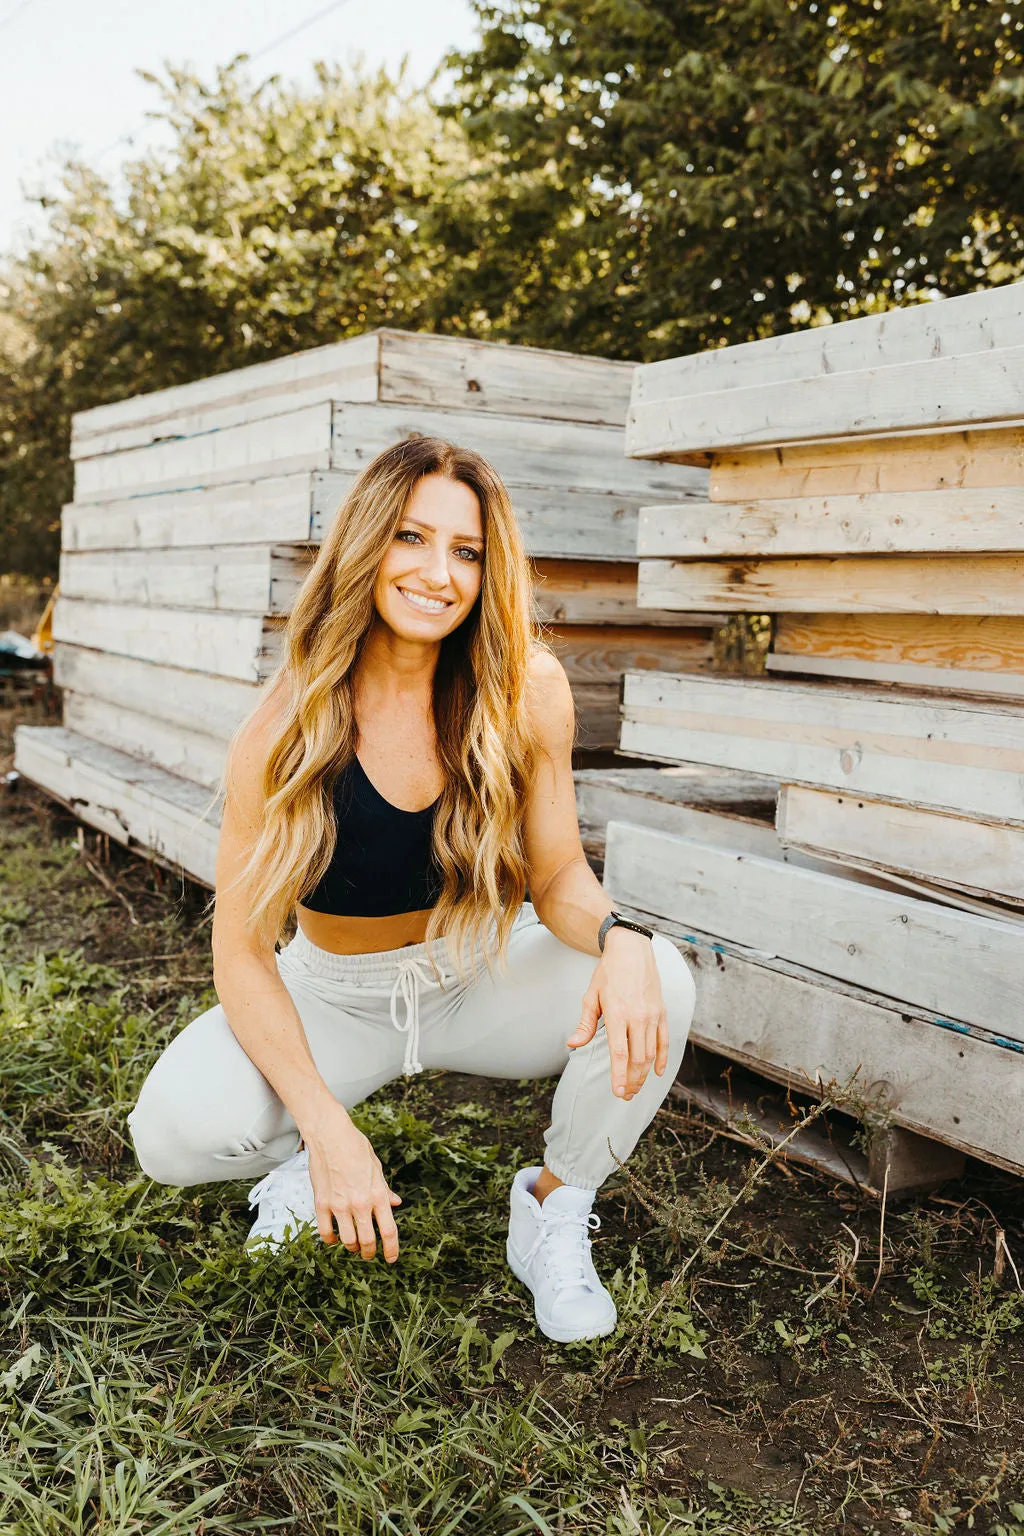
{"x": 550, "y": 702}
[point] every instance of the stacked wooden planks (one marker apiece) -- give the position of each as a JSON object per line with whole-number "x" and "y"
{"x": 866, "y": 490}
{"x": 198, "y": 510}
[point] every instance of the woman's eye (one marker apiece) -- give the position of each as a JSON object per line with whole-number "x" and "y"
{"x": 463, "y": 549}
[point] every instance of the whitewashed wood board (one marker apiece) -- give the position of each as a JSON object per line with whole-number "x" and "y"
{"x": 407, "y": 368}
{"x": 805, "y": 1030}
{"x": 341, "y": 371}
{"x": 188, "y": 753}
{"x": 191, "y": 701}
{"x": 912, "y": 333}
{"x": 964, "y": 852}
{"x": 962, "y": 755}
{"x": 347, "y": 436}
{"x": 983, "y": 585}
{"x": 965, "y": 967}
{"x": 908, "y": 674}
{"x": 955, "y": 521}
{"x": 244, "y": 646}
{"x": 291, "y": 442}
{"x": 138, "y": 804}
{"x": 284, "y": 509}
{"x": 967, "y": 389}
{"x": 300, "y": 508}
{"x": 237, "y": 578}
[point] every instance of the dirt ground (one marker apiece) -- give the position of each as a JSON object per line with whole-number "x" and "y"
{"x": 781, "y": 1364}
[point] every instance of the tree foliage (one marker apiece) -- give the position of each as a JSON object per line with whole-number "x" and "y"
{"x": 278, "y": 219}
{"x": 674, "y": 174}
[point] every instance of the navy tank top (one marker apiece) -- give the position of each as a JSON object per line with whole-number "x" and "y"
{"x": 383, "y": 859}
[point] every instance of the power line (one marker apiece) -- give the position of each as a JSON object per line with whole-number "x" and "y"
{"x": 5, "y": 21}
{"x": 293, "y": 31}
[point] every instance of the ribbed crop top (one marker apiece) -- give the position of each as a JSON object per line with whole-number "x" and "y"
{"x": 383, "y": 859}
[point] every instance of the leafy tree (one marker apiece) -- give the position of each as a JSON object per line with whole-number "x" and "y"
{"x": 279, "y": 219}
{"x": 674, "y": 174}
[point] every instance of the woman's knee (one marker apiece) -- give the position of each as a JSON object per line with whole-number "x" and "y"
{"x": 678, "y": 991}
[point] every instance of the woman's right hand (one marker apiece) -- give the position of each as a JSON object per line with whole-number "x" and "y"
{"x": 349, "y": 1187}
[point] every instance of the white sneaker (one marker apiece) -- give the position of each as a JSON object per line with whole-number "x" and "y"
{"x": 548, "y": 1249}
{"x": 285, "y": 1200}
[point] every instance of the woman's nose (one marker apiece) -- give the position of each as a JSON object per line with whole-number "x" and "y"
{"x": 436, "y": 567}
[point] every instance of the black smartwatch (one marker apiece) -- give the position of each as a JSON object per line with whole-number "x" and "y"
{"x": 615, "y": 919}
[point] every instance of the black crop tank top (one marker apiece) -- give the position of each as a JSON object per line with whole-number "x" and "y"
{"x": 383, "y": 859}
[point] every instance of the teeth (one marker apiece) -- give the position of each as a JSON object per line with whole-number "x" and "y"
{"x": 430, "y": 605}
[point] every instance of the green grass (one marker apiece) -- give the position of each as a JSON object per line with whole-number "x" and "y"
{"x": 154, "y": 1379}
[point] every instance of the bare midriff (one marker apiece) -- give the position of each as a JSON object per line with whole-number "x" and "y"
{"x": 363, "y": 935}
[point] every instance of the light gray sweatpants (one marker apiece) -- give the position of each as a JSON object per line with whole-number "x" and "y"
{"x": 206, "y": 1112}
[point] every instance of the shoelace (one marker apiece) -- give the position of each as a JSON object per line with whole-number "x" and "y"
{"x": 282, "y": 1192}
{"x": 411, "y": 971}
{"x": 566, "y": 1237}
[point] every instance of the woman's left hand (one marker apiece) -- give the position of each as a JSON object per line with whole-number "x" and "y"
{"x": 626, "y": 991}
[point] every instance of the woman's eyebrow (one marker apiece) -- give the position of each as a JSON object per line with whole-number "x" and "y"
{"x": 467, "y": 538}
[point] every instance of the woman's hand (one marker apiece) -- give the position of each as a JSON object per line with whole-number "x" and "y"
{"x": 349, "y": 1186}
{"x": 626, "y": 989}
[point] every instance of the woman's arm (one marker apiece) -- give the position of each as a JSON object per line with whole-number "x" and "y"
{"x": 348, "y": 1182}
{"x": 569, "y": 899}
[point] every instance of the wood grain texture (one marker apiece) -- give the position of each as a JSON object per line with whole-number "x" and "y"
{"x": 973, "y": 459}
{"x": 965, "y": 967}
{"x": 188, "y": 753}
{"x": 246, "y": 578}
{"x": 600, "y": 653}
{"x": 966, "y": 853}
{"x": 243, "y": 646}
{"x": 804, "y": 1029}
{"x": 965, "y": 756}
{"x": 597, "y": 592}
{"x": 974, "y": 322}
{"x": 979, "y": 387}
{"x": 345, "y": 437}
{"x": 195, "y": 701}
{"x": 408, "y": 368}
{"x": 927, "y": 584}
{"x": 165, "y": 817}
{"x": 958, "y": 521}
{"x": 979, "y": 643}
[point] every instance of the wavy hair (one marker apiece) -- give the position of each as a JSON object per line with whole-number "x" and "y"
{"x": 480, "y": 689}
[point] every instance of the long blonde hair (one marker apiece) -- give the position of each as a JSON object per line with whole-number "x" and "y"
{"x": 479, "y": 700}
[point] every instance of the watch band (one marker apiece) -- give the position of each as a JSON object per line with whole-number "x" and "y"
{"x": 616, "y": 920}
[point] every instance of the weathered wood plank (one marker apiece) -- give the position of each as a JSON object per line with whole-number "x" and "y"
{"x": 736, "y": 810}
{"x": 601, "y": 653}
{"x": 967, "y": 654}
{"x": 341, "y": 370}
{"x": 557, "y": 521}
{"x": 956, "y": 522}
{"x": 905, "y": 397}
{"x": 965, "y": 853}
{"x": 399, "y": 367}
{"x": 455, "y": 374}
{"x": 290, "y": 443}
{"x": 953, "y": 584}
{"x": 196, "y": 701}
{"x": 138, "y": 804}
{"x": 187, "y": 753}
{"x": 965, "y": 756}
{"x": 974, "y": 643}
{"x": 244, "y": 646}
{"x": 348, "y": 436}
{"x": 962, "y": 966}
{"x": 246, "y": 578}
{"x": 592, "y": 592}
{"x": 914, "y": 333}
{"x": 974, "y": 459}
{"x": 281, "y": 509}
{"x": 805, "y": 1030}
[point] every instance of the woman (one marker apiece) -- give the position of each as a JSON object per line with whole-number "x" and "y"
{"x": 412, "y": 642}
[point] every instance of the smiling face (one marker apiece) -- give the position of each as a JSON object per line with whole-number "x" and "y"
{"x": 436, "y": 556}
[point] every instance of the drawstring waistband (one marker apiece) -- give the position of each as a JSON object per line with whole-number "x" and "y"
{"x": 411, "y": 972}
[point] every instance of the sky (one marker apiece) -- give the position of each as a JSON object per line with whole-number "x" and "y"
{"x": 67, "y": 76}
